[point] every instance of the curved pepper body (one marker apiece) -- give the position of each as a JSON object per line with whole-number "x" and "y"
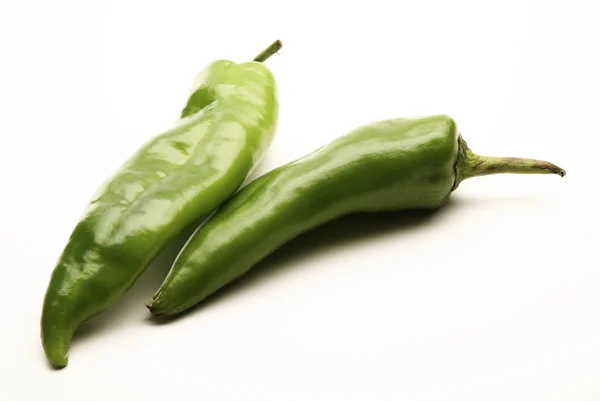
{"x": 174, "y": 180}
{"x": 389, "y": 165}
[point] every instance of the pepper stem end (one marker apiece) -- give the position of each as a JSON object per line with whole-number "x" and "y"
{"x": 269, "y": 51}
{"x": 474, "y": 165}
{"x": 478, "y": 165}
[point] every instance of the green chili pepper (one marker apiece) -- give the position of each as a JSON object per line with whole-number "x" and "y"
{"x": 175, "y": 179}
{"x": 409, "y": 163}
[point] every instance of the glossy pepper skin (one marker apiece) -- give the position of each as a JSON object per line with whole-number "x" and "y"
{"x": 175, "y": 179}
{"x": 409, "y": 163}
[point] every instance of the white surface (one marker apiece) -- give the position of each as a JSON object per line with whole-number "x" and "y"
{"x": 496, "y": 297}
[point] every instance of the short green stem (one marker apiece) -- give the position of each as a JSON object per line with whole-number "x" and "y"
{"x": 269, "y": 51}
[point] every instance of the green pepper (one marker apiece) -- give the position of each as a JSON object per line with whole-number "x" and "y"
{"x": 408, "y": 163}
{"x": 174, "y": 180}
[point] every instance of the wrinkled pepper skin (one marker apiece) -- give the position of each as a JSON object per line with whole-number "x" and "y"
{"x": 410, "y": 163}
{"x": 174, "y": 180}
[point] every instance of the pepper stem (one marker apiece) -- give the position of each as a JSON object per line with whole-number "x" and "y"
{"x": 470, "y": 165}
{"x": 269, "y": 51}
{"x": 476, "y": 165}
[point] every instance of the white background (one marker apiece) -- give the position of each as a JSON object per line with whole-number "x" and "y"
{"x": 495, "y": 297}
